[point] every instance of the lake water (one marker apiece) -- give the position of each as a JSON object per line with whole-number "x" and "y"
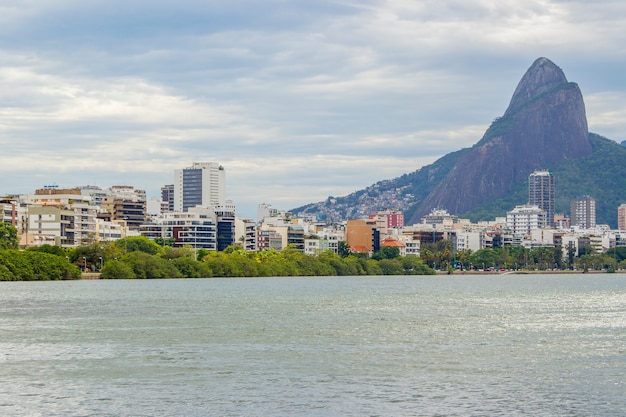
{"x": 505, "y": 345}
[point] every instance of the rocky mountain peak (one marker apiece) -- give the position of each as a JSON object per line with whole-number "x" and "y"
{"x": 544, "y": 124}
{"x": 542, "y": 76}
{"x": 544, "y": 127}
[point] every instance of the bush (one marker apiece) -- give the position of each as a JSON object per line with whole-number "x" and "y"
{"x": 117, "y": 270}
{"x": 145, "y": 265}
{"x": 34, "y": 265}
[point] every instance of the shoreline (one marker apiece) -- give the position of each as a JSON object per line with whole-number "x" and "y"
{"x": 524, "y": 272}
{"x": 96, "y": 275}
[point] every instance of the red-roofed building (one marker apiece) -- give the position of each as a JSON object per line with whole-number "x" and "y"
{"x": 391, "y": 242}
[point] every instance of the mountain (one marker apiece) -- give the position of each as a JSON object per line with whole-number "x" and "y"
{"x": 544, "y": 127}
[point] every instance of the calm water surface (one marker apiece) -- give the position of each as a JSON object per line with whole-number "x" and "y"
{"x": 516, "y": 345}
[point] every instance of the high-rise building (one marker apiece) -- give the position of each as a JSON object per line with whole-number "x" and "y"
{"x": 202, "y": 184}
{"x": 541, "y": 193}
{"x": 621, "y": 217}
{"x": 583, "y": 212}
{"x": 167, "y": 198}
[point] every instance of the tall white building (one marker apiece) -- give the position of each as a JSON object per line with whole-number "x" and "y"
{"x": 523, "y": 219}
{"x": 541, "y": 193}
{"x": 202, "y": 184}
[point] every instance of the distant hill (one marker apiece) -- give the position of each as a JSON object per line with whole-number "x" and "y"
{"x": 544, "y": 127}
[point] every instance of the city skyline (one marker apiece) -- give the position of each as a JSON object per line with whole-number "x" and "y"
{"x": 298, "y": 100}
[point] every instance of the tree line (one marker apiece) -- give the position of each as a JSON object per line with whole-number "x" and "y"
{"x": 139, "y": 257}
{"x": 441, "y": 256}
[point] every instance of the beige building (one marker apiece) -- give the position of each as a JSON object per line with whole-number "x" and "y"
{"x": 621, "y": 217}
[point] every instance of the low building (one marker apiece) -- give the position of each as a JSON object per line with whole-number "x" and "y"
{"x": 197, "y": 229}
{"x": 8, "y": 211}
{"x": 393, "y": 243}
{"x": 246, "y": 234}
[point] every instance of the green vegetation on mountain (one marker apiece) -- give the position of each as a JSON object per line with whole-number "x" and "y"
{"x": 601, "y": 175}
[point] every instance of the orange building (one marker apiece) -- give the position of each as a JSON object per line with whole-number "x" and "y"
{"x": 362, "y": 234}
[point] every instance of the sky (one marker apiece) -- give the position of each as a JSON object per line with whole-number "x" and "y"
{"x": 298, "y": 100}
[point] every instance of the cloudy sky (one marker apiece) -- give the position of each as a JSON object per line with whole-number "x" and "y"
{"x": 297, "y": 99}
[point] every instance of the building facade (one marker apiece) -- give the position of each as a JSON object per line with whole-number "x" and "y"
{"x": 523, "y": 219}
{"x": 8, "y": 211}
{"x": 167, "y": 198}
{"x": 541, "y": 193}
{"x": 362, "y": 235}
{"x": 621, "y": 217}
{"x": 390, "y": 218}
{"x": 197, "y": 230}
{"x": 583, "y": 212}
{"x": 131, "y": 212}
{"x": 246, "y": 234}
{"x": 202, "y": 184}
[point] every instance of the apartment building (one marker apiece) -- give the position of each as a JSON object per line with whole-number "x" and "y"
{"x": 525, "y": 218}
{"x": 196, "y": 229}
{"x": 201, "y": 184}
{"x": 621, "y": 217}
{"x": 583, "y": 212}
{"x": 541, "y": 193}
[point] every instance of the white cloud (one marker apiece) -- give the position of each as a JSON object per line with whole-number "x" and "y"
{"x": 360, "y": 91}
{"x": 606, "y": 114}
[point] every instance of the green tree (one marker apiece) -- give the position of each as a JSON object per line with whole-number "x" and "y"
{"x": 438, "y": 254}
{"x": 145, "y": 265}
{"x": 8, "y": 236}
{"x": 520, "y": 256}
{"x": 543, "y": 257}
{"x": 386, "y": 252}
{"x": 54, "y": 250}
{"x": 33, "y": 265}
{"x": 617, "y": 253}
{"x": 484, "y": 258}
{"x": 571, "y": 254}
{"x": 117, "y": 270}
{"x": 201, "y": 253}
{"x": 391, "y": 267}
{"x": 173, "y": 253}
{"x": 413, "y": 265}
{"x": 170, "y": 241}
{"x": 138, "y": 244}
{"x": 463, "y": 258}
{"x": 191, "y": 268}
{"x": 343, "y": 249}
{"x": 47, "y": 266}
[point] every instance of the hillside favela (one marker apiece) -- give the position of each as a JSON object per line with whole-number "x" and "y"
{"x": 538, "y": 192}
